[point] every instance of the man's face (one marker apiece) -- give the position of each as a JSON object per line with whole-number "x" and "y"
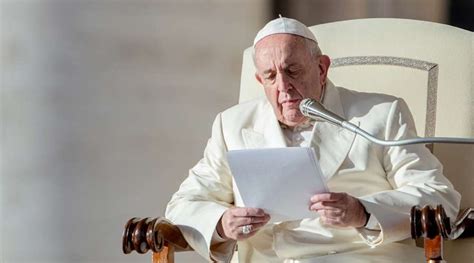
{"x": 289, "y": 73}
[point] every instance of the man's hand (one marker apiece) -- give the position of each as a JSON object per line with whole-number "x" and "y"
{"x": 233, "y": 220}
{"x": 339, "y": 209}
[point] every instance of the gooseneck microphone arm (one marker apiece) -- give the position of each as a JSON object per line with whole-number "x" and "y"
{"x": 315, "y": 110}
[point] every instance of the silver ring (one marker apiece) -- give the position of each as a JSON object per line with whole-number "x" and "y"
{"x": 246, "y": 229}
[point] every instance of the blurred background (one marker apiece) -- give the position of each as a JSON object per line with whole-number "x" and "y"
{"x": 106, "y": 104}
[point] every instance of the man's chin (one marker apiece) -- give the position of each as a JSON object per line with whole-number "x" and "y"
{"x": 293, "y": 121}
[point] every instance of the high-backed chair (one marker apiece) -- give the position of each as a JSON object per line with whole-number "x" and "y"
{"x": 429, "y": 65}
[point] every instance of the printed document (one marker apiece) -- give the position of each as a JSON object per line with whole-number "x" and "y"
{"x": 281, "y": 181}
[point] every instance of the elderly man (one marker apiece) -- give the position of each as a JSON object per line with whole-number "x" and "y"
{"x": 365, "y": 217}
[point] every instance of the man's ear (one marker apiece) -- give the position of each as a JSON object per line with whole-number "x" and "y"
{"x": 259, "y": 79}
{"x": 324, "y": 63}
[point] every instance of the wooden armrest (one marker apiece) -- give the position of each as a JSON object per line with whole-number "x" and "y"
{"x": 157, "y": 234}
{"x": 429, "y": 222}
{"x": 434, "y": 226}
{"x": 164, "y": 238}
{"x": 464, "y": 225}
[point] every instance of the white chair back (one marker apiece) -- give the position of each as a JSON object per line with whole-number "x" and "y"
{"x": 429, "y": 65}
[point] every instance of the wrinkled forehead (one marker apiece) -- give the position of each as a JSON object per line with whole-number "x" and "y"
{"x": 285, "y": 46}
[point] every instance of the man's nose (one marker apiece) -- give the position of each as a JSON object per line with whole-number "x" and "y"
{"x": 283, "y": 83}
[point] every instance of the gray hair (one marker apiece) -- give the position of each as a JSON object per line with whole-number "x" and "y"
{"x": 312, "y": 47}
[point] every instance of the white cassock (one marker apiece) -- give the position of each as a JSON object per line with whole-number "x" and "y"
{"x": 387, "y": 180}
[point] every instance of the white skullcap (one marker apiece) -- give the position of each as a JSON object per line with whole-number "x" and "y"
{"x": 283, "y": 25}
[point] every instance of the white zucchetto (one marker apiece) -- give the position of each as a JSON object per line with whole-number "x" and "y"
{"x": 283, "y": 25}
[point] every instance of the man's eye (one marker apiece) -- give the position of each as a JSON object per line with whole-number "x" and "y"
{"x": 270, "y": 77}
{"x": 293, "y": 72}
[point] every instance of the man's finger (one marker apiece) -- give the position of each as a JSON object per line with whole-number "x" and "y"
{"x": 242, "y": 221}
{"x": 256, "y": 227}
{"x": 253, "y": 231}
{"x": 248, "y": 211}
{"x": 330, "y": 205}
{"x": 327, "y": 197}
{"x": 333, "y": 214}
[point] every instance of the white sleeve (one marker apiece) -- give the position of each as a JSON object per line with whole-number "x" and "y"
{"x": 416, "y": 177}
{"x": 202, "y": 199}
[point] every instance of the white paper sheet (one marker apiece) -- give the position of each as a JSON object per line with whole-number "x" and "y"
{"x": 281, "y": 181}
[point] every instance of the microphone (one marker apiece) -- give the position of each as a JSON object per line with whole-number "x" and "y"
{"x": 315, "y": 110}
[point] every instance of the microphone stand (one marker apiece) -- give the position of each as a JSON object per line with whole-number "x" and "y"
{"x": 315, "y": 110}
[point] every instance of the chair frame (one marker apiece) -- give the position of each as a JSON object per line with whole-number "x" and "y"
{"x": 164, "y": 238}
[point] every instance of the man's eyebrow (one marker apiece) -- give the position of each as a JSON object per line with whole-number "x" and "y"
{"x": 294, "y": 64}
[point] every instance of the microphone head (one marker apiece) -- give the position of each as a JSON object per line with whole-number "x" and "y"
{"x": 315, "y": 110}
{"x": 308, "y": 107}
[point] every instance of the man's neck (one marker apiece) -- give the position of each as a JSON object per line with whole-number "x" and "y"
{"x": 300, "y": 126}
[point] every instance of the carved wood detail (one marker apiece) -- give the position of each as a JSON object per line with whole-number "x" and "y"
{"x": 434, "y": 226}
{"x": 156, "y": 234}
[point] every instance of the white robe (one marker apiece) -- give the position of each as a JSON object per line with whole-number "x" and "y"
{"x": 387, "y": 180}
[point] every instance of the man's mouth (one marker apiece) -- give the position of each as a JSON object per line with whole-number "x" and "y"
{"x": 291, "y": 102}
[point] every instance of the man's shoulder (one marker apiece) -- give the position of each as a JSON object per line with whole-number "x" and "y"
{"x": 357, "y": 103}
{"x": 349, "y": 97}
